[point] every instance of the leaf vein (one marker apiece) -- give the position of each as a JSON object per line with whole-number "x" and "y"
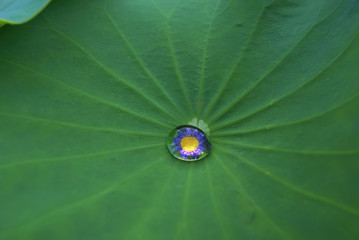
{"x": 261, "y": 79}
{"x": 140, "y": 62}
{"x": 86, "y": 94}
{"x": 274, "y": 102}
{"x": 111, "y": 73}
{"x": 245, "y": 193}
{"x": 303, "y": 192}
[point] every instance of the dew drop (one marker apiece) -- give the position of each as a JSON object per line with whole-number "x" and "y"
{"x": 188, "y": 143}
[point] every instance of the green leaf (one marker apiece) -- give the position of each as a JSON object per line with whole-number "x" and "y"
{"x": 88, "y": 99}
{"x": 20, "y": 11}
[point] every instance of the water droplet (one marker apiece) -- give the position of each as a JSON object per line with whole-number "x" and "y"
{"x": 188, "y": 143}
{"x": 199, "y": 124}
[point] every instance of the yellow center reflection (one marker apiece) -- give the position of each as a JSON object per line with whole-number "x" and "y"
{"x": 189, "y": 143}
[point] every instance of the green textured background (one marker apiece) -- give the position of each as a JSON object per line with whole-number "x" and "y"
{"x": 89, "y": 91}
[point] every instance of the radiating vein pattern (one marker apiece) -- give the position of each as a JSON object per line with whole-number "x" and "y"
{"x": 90, "y": 90}
{"x": 341, "y": 206}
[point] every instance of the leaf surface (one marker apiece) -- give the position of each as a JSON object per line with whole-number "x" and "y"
{"x": 88, "y": 100}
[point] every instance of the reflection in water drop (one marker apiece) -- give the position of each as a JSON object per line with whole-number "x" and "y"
{"x": 188, "y": 143}
{"x": 200, "y": 124}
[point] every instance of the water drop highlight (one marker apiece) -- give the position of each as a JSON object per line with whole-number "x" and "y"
{"x": 188, "y": 143}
